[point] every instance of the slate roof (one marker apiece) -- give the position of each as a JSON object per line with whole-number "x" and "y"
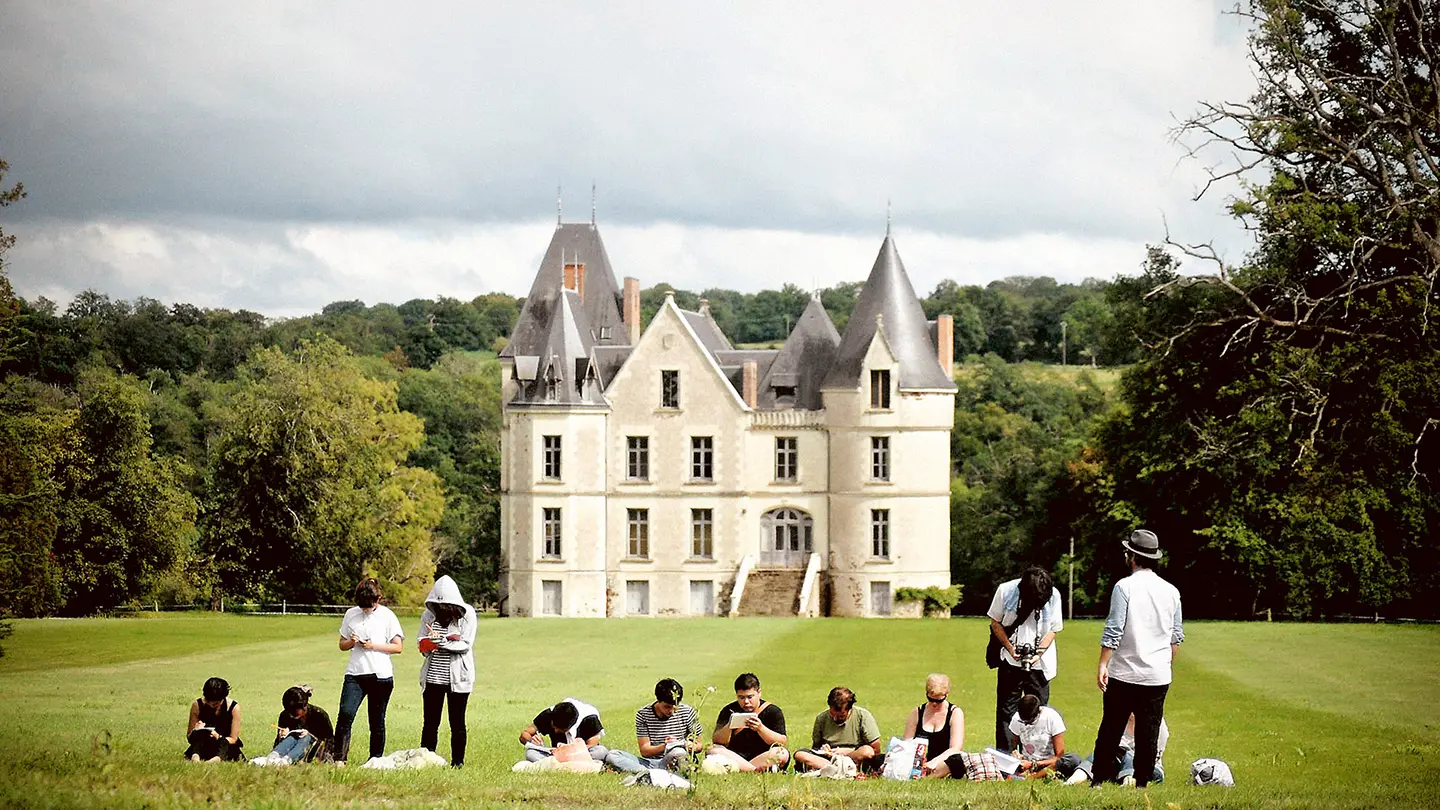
{"x": 565, "y": 373}
{"x": 888, "y": 293}
{"x": 803, "y": 361}
{"x": 601, "y": 308}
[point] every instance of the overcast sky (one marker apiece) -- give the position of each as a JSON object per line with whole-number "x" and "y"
{"x": 280, "y": 156}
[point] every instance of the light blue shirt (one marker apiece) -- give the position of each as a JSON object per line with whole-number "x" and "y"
{"x": 1144, "y": 621}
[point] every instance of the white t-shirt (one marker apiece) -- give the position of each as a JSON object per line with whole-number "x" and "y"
{"x": 378, "y": 626}
{"x": 1037, "y": 738}
{"x": 1046, "y": 620}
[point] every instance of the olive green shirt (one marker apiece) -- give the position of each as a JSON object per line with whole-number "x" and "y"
{"x": 860, "y": 729}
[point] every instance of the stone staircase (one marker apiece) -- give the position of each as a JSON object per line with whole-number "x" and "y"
{"x": 772, "y": 592}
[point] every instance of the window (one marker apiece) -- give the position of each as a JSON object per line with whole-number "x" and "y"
{"x": 702, "y": 533}
{"x": 552, "y": 457}
{"x": 639, "y": 522}
{"x": 637, "y": 597}
{"x": 880, "y": 533}
{"x": 637, "y": 458}
{"x": 880, "y": 389}
{"x": 702, "y": 458}
{"x": 880, "y": 599}
{"x": 669, "y": 389}
{"x": 880, "y": 458}
{"x": 787, "y": 459}
{"x": 552, "y": 532}
{"x": 551, "y": 601}
{"x": 604, "y": 333}
{"x": 702, "y": 597}
{"x": 785, "y": 394}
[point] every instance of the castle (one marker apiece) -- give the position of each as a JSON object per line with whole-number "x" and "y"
{"x": 669, "y": 473}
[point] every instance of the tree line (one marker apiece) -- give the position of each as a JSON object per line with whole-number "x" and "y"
{"x": 1277, "y": 421}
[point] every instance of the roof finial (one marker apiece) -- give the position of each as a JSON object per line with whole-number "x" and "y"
{"x": 887, "y": 217}
{"x": 557, "y": 207}
{"x": 592, "y": 203}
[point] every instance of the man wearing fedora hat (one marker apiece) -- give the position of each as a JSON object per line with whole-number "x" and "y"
{"x": 1142, "y": 636}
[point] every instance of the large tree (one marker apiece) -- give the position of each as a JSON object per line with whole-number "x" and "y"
{"x": 309, "y": 483}
{"x": 1284, "y": 423}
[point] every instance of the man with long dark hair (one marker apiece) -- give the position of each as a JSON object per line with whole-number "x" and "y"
{"x": 1024, "y": 617}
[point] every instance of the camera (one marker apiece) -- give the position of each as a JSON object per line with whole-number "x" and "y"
{"x": 1025, "y": 654}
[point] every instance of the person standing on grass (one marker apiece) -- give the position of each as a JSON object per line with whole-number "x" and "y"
{"x": 447, "y": 635}
{"x": 1137, "y": 649}
{"x": 1025, "y": 611}
{"x": 757, "y": 743}
{"x": 213, "y": 729}
{"x": 371, "y": 634}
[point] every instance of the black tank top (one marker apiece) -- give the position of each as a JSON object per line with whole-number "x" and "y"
{"x": 937, "y": 740}
{"x": 219, "y": 719}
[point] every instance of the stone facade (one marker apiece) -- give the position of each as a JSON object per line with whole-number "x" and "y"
{"x": 644, "y": 478}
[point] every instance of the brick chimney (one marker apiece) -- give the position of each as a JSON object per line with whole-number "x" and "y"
{"x": 945, "y": 344}
{"x": 575, "y": 278}
{"x": 750, "y": 382}
{"x": 630, "y": 312}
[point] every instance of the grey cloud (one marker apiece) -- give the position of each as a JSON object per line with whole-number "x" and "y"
{"x": 978, "y": 124}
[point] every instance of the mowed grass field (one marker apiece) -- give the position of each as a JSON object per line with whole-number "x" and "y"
{"x": 92, "y": 711}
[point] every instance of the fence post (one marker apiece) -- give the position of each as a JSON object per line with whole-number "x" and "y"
{"x": 1072, "y": 579}
{"x": 284, "y": 607}
{"x": 222, "y": 604}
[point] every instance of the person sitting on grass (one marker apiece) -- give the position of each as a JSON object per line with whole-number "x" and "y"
{"x": 843, "y": 729}
{"x": 666, "y": 731}
{"x": 213, "y": 729}
{"x": 1077, "y": 771}
{"x": 1040, "y": 736}
{"x": 566, "y": 721}
{"x": 750, "y": 732}
{"x": 302, "y": 732}
{"x": 942, "y": 725}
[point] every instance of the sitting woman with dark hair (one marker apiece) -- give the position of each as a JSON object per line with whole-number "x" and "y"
{"x": 302, "y": 732}
{"x": 213, "y": 729}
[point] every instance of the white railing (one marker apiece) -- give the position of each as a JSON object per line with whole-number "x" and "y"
{"x": 807, "y": 590}
{"x": 743, "y": 573}
{"x": 787, "y": 419}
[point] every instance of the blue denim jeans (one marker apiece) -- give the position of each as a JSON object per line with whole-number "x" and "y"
{"x": 355, "y": 690}
{"x": 294, "y": 747}
{"x": 626, "y": 762}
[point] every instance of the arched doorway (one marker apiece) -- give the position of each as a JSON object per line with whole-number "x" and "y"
{"x": 787, "y": 536}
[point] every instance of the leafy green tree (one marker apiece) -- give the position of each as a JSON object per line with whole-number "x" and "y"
{"x": 40, "y": 461}
{"x": 309, "y": 484}
{"x": 126, "y": 521}
{"x": 1283, "y": 427}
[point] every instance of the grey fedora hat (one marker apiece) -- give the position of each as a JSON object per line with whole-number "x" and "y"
{"x": 1144, "y": 543}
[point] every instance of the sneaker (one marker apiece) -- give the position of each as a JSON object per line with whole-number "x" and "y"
{"x": 1080, "y": 777}
{"x": 1128, "y": 781}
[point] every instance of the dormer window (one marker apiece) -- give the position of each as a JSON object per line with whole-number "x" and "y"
{"x": 605, "y": 333}
{"x": 552, "y": 385}
{"x": 785, "y": 393}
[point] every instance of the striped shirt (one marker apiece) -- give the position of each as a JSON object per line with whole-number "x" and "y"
{"x": 437, "y": 663}
{"x": 682, "y": 723}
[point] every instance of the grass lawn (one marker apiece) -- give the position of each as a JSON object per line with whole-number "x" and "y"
{"x": 92, "y": 711}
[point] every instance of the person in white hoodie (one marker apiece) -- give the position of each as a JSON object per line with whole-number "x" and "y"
{"x": 447, "y": 638}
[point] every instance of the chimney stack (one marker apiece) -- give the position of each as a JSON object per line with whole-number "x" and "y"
{"x": 630, "y": 312}
{"x": 575, "y": 278}
{"x": 750, "y": 382}
{"x": 945, "y": 344}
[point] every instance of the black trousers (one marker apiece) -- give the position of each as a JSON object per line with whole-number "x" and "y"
{"x": 1122, "y": 699}
{"x": 434, "y": 696}
{"x": 1011, "y": 682}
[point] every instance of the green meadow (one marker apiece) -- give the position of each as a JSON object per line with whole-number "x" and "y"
{"x": 92, "y": 711}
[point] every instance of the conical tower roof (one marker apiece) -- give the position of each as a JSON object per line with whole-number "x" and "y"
{"x": 888, "y": 293}
{"x": 599, "y": 311}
